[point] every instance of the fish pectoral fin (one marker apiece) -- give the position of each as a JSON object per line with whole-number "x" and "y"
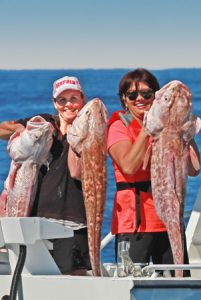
{"x": 147, "y": 157}
{"x": 3, "y": 199}
{"x": 13, "y": 136}
{"x": 194, "y": 159}
{"x": 198, "y": 125}
{"x": 12, "y": 174}
{"x": 191, "y": 128}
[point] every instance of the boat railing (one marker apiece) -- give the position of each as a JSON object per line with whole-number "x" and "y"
{"x": 105, "y": 241}
{"x": 153, "y": 270}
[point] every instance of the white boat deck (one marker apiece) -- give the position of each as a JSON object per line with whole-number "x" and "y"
{"x": 41, "y": 278}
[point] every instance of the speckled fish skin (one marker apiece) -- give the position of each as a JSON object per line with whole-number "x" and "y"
{"x": 171, "y": 124}
{"x": 28, "y": 151}
{"x": 87, "y": 136}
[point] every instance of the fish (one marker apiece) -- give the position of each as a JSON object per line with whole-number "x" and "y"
{"x": 29, "y": 150}
{"x": 87, "y": 137}
{"x": 172, "y": 125}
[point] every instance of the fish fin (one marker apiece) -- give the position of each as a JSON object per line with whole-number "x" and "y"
{"x": 191, "y": 128}
{"x": 198, "y": 125}
{"x": 13, "y": 136}
{"x": 194, "y": 158}
{"x": 3, "y": 201}
{"x": 12, "y": 174}
{"x": 147, "y": 157}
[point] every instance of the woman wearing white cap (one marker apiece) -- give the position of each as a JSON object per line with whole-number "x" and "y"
{"x": 59, "y": 196}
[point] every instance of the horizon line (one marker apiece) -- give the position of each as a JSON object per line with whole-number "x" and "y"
{"x": 90, "y": 68}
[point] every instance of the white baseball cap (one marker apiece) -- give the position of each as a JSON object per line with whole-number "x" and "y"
{"x": 65, "y": 83}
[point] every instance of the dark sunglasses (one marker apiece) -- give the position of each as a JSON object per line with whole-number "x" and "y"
{"x": 146, "y": 94}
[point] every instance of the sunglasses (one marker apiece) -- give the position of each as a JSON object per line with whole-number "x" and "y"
{"x": 146, "y": 94}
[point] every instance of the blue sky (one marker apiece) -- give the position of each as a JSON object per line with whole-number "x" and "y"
{"x": 63, "y": 34}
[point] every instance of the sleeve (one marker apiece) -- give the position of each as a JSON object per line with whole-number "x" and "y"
{"x": 24, "y": 121}
{"x": 117, "y": 132}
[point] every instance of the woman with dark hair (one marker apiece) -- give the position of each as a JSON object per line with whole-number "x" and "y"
{"x": 134, "y": 217}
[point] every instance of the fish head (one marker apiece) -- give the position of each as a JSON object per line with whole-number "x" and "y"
{"x": 174, "y": 96}
{"x": 157, "y": 117}
{"x": 98, "y": 119}
{"x": 181, "y": 103}
{"x": 41, "y": 136}
{"x": 34, "y": 143}
{"x": 172, "y": 106}
{"x": 79, "y": 129}
{"x": 91, "y": 120}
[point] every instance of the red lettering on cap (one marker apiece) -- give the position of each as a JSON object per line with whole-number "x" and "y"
{"x": 58, "y": 84}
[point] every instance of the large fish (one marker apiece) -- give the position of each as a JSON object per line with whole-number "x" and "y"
{"x": 171, "y": 124}
{"x": 28, "y": 151}
{"x": 87, "y": 136}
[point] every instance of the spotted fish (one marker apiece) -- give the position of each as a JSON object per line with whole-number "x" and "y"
{"x": 87, "y": 136}
{"x": 28, "y": 151}
{"x": 171, "y": 124}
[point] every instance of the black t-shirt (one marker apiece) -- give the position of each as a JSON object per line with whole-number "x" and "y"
{"x": 58, "y": 195}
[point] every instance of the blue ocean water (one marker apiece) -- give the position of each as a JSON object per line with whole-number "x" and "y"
{"x": 26, "y": 93}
